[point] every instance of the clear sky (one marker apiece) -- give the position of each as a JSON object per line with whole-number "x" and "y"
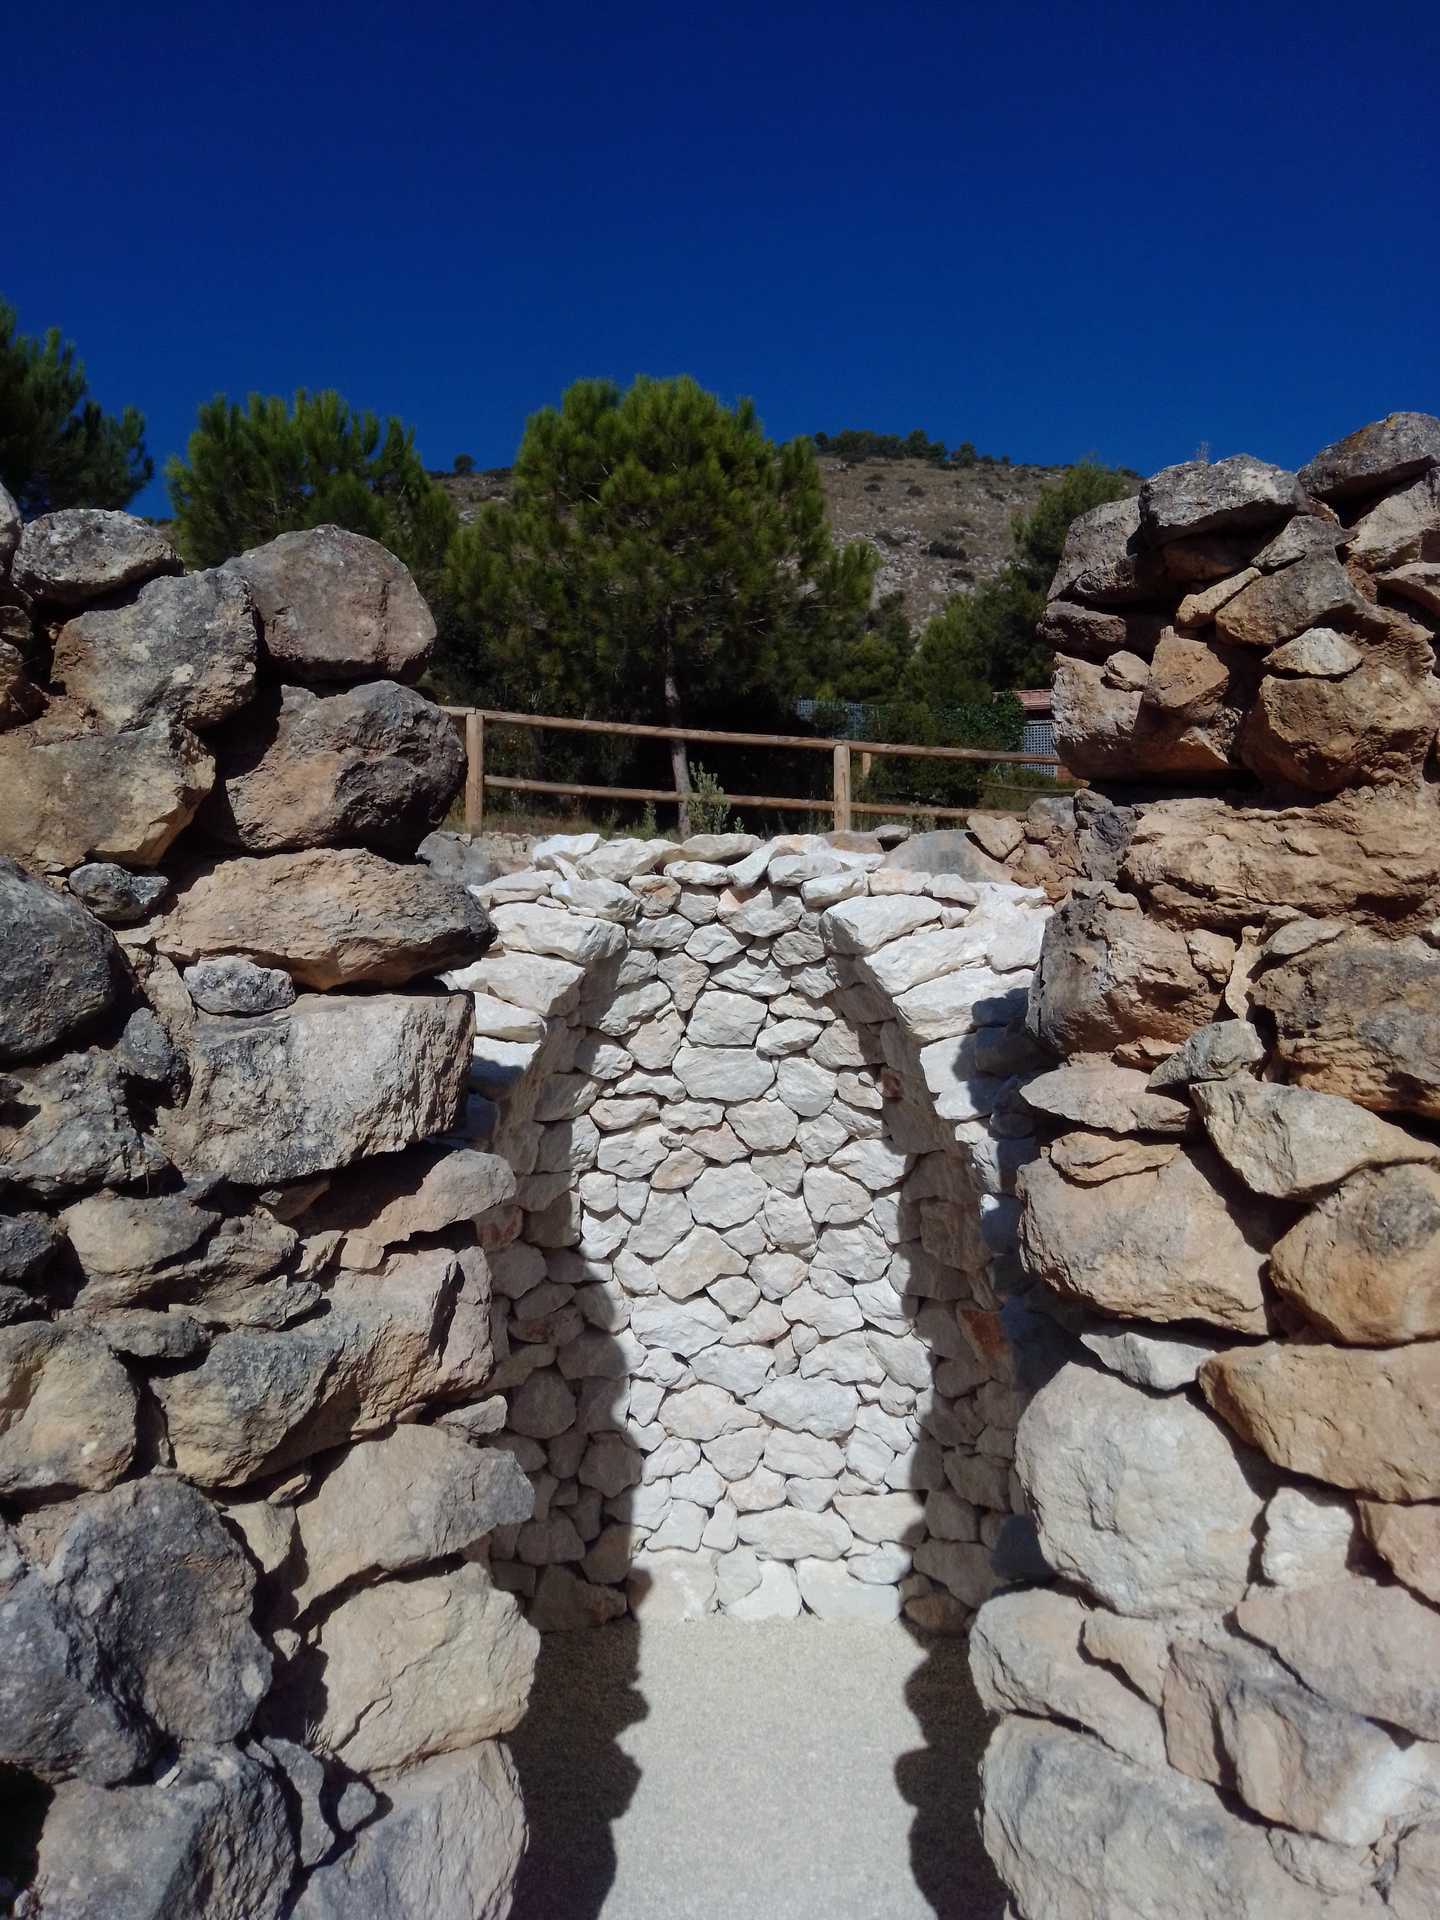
{"x": 1049, "y": 229}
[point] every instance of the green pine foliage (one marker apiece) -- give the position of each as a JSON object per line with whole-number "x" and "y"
{"x": 660, "y": 560}
{"x": 58, "y": 446}
{"x": 986, "y": 639}
{"x": 270, "y": 467}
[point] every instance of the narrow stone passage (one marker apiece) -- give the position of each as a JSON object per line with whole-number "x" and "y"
{"x": 711, "y": 1770}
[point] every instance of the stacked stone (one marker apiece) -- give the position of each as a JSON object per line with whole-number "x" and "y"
{"x": 251, "y": 1661}
{"x": 1225, "y": 1703}
{"x": 762, "y": 1104}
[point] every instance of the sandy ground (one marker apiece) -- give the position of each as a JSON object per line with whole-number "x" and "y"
{"x": 785, "y": 1771}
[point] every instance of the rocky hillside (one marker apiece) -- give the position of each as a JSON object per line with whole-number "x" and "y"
{"x": 939, "y": 531}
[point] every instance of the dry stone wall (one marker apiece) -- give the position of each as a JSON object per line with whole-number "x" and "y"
{"x": 762, "y": 1101}
{"x": 1223, "y": 1702}
{"x": 252, "y": 1659}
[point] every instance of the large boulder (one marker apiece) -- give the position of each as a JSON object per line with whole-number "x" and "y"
{"x": 391, "y": 1198}
{"x": 328, "y": 917}
{"x": 1109, "y": 973}
{"x": 1139, "y": 1498}
{"x": 1213, "y": 864}
{"x": 212, "y": 1842}
{"x": 183, "y": 649}
{"x": 1364, "y": 1265}
{"x": 324, "y": 1082}
{"x": 1314, "y": 592}
{"x": 335, "y": 605}
{"x": 376, "y": 765}
{"x": 163, "y": 1249}
{"x": 1291, "y": 1143}
{"x": 121, "y": 797}
{"x": 1360, "y": 1017}
{"x": 83, "y": 553}
{"x": 1388, "y": 451}
{"x": 946, "y": 851}
{"x": 1367, "y": 1419}
{"x": 168, "y": 1594}
{"x": 10, "y": 530}
{"x": 1104, "y": 561}
{"x": 1080, "y": 1833}
{"x": 57, "y": 965}
{"x": 66, "y": 1127}
{"x": 389, "y": 1342}
{"x": 1178, "y": 1242}
{"x": 400, "y": 1672}
{"x": 429, "y": 1495}
{"x": 1204, "y": 496}
{"x": 449, "y": 1841}
{"x": 58, "y": 1714}
{"x": 1373, "y": 724}
{"x": 67, "y": 1412}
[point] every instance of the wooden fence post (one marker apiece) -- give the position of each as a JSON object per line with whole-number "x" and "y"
{"x": 474, "y": 770}
{"x": 842, "y": 786}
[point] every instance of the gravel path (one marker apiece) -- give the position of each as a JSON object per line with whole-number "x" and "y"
{"x": 785, "y": 1771}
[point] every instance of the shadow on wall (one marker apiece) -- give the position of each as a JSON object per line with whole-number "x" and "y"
{"x": 755, "y": 1313}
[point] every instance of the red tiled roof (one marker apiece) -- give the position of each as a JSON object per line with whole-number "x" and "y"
{"x": 1034, "y": 699}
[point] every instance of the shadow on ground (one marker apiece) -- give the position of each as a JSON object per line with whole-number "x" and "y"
{"x": 725, "y": 1771}
{"x": 576, "y": 1779}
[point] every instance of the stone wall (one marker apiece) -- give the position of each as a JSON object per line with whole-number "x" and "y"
{"x": 1224, "y": 1702}
{"x": 763, "y": 1105}
{"x": 251, "y": 1658}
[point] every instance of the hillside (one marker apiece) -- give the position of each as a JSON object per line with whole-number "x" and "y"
{"x": 938, "y": 530}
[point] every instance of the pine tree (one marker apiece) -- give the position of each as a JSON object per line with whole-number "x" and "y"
{"x": 986, "y": 639}
{"x": 269, "y": 468}
{"x": 661, "y": 561}
{"x": 58, "y": 447}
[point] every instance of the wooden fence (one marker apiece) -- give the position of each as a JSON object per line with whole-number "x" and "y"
{"x": 839, "y": 805}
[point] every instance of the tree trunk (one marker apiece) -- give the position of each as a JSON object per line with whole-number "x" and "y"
{"x": 679, "y": 753}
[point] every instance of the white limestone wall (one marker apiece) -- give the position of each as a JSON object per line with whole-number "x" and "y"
{"x": 762, "y": 1103}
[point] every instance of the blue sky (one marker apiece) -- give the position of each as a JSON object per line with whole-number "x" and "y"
{"x": 1051, "y": 230}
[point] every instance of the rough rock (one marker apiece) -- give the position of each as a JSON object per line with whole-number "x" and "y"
{"x": 329, "y": 918}
{"x": 65, "y": 1127}
{"x": 375, "y": 766}
{"x": 334, "y": 605}
{"x": 183, "y": 649}
{"x": 1163, "y": 1362}
{"x": 413, "y": 1668}
{"x": 1215, "y": 865}
{"x": 1364, "y": 1265}
{"x": 1140, "y": 1499}
{"x": 178, "y": 1247}
{"x": 1112, "y": 1099}
{"x": 81, "y": 553}
{"x": 1292, "y": 1143}
{"x": 1181, "y": 1242}
{"x": 141, "y": 790}
{"x": 1216, "y": 1052}
{"x": 455, "y": 856}
{"x": 1079, "y": 1833}
{"x": 1407, "y": 1539}
{"x": 66, "y": 1412}
{"x": 1374, "y": 1650}
{"x": 427, "y": 1495}
{"x": 1103, "y": 560}
{"x": 1367, "y": 1419}
{"x": 57, "y": 965}
{"x": 327, "y": 1081}
{"x": 945, "y": 851}
{"x": 1316, "y": 592}
{"x": 115, "y": 895}
{"x": 212, "y": 1843}
{"x": 449, "y": 1841}
{"x": 1236, "y": 1718}
{"x": 1109, "y": 973}
{"x": 1381, "y": 455}
{"x": 1360, "y": 1017}
{"x": 391, "y": 1340}
{"x": 10, "y": 530}
{"x": 1024, "y": 1658}
{"x": 1203, "y": 496}
{"x": 1373, "y": 725}
{"x": 234, "y": 985}
{"x": 1309, "y": 1536}
{"x": 167, "y": 1593}
{"x": 390, "y": 1199}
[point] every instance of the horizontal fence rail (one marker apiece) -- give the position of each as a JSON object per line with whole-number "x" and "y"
{"x": 839, "y": 804}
